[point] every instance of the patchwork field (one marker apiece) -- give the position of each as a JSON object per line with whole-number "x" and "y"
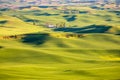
{"x": 87, "y": 47}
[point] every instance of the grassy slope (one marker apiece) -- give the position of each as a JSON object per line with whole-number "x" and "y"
{"x": 61, "y": 59}
{"x": 15, "y": 26}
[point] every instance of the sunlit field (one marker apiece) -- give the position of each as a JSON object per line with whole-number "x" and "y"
{"x": 79, "y": 46}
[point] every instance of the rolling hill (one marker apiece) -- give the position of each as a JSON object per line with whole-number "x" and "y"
{"x": 14, "y": 26}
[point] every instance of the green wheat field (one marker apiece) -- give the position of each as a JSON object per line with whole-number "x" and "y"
{"x": 87, "y": 47}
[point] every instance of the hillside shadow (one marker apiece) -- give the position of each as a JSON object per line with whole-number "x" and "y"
{"x": 83, "y": 12}
{"x": 1, "y": 47}
{"x": 90, "y": 61}
{"x": 70, "y": 18}
{"x": 4, "y": 9}
{"x": 80, "y": 72}
{"x": 118, "y": 34}
{"x": 25, "y": 19}
{"x": 31, "y": 20}
{"x": 23, "y": 7}
{"x": 47, "y": 6}
{"x": 45, "y": 14}
{"x": 35, "y": 39}
{"x": 3, "y": 22}
{"x": 116, "y": 12}
{"x": 115, "y": 53}
{"x": 86, "y": 29}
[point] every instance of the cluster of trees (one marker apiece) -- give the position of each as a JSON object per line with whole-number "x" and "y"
{"x": 75, "y": 35}
{"x": 62, "y": 24}
{"x": 12, "y": 37}
{"x": 68, "y": 35}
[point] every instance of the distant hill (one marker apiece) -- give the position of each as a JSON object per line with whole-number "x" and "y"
{"x": 36, "y": 2}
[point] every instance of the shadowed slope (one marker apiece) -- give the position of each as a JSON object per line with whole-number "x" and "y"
{"x": 87, "y": 29}
{"x": 70, "y": 18}
{"x": 35, "y": 39}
